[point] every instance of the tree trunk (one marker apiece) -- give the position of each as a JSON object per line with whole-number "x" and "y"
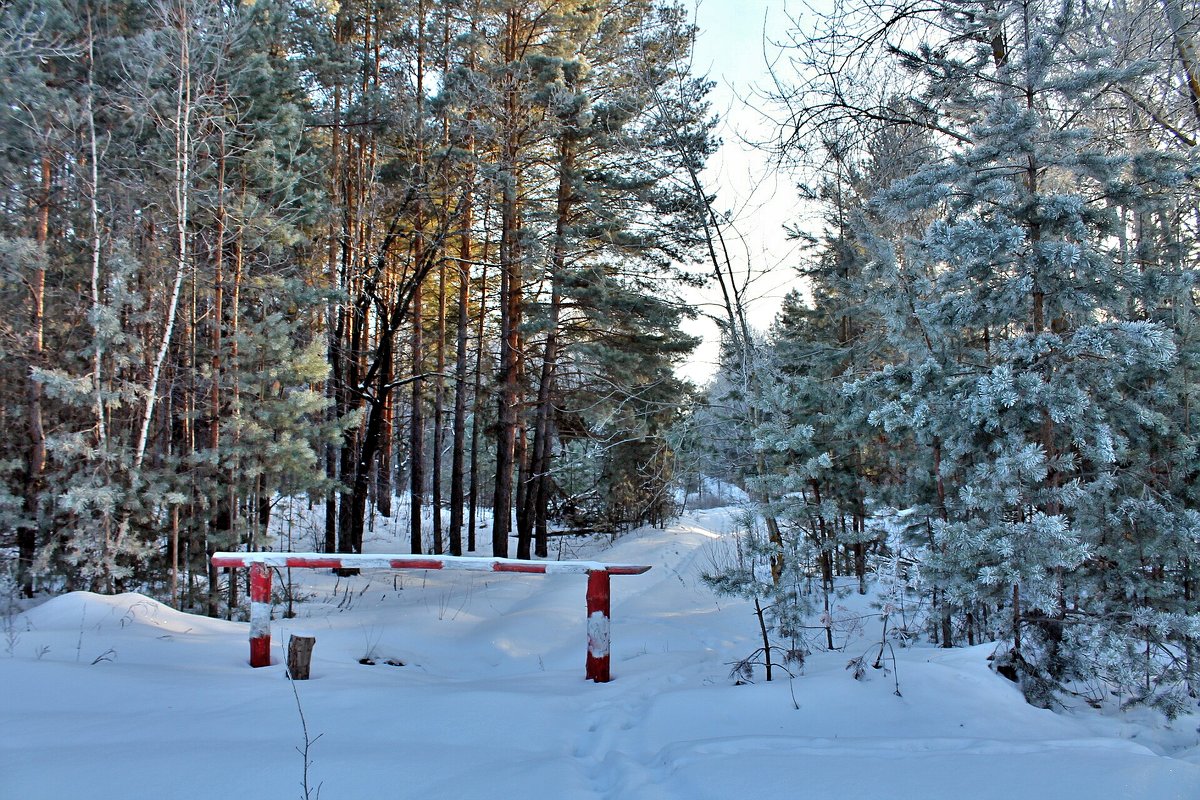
{"x": 439, "y": 403}
{"x": 334, "y": 319}
{"x": 94, "y": 214}
{"x": 416, "y": 455}
{"x": 353, "y": 442}
{"x": 509, "y": 397}
{"x": 370, "y": 446}
{"x": 299, "y": 657}
{"x": 944, "y": 609}
{"x": 416, "y": 440}
{"x": 1016, "y": 617}
{"x": 477, "y": 396}
{"x": 439, "y": 385}
{"x": 1183, "y": 31}
{"x": 520, "y": 501}
{"x": 384, "y": 469}
{"x": 538, "y": 499}
{"x": 220, "y": 523}
{"x": 511, "y": 296}
{"x": 36, "y": 461}
{"x": 184, "y": 108}
{"x": 457, "y": 460}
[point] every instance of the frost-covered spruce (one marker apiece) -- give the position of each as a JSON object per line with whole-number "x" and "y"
{"x": 1033, "y": 370}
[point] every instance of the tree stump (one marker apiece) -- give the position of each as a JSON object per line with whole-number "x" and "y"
{"x": 300, "y": 647}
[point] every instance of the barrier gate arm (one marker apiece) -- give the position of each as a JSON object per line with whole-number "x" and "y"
{"x": 599, "y": 622}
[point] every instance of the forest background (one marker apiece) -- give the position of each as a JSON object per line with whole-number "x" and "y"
{"x": 258, "y": 250}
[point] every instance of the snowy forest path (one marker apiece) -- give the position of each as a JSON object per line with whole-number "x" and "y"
{"x": 648, "y": 735}
{"x": 491, "y": 700}
{"x": 657, "y": 609}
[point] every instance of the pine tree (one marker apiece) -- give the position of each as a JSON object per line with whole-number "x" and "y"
{"x": 1018, "y": 359}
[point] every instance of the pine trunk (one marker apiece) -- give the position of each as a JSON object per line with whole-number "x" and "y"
{"x": 477, "y": 395}
{"x": 334, "y": 321}
{"x": 538, "y": 500}
{"x": 509, "y": 400}
{"x": 416, "y": 440}
{"x": 36, "y": 462}
{"x": 457, "y": 457}
{"x": 416, "y": 455}
{"x": 439, "y": 402}
{"x": 384, "y": 466}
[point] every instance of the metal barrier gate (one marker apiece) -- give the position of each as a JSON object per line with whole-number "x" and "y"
{"x": 598, "y": 617}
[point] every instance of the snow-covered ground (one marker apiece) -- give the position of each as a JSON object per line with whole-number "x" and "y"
{"x": 122, "y": 697}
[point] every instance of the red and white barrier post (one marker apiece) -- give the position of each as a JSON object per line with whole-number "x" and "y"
{"x": 598, "y": 596}
{"x": 598, "y": 626}
{"x": 260, "y": 615}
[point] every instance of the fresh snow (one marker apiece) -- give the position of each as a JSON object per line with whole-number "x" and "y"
{"x": 123, "y": 697}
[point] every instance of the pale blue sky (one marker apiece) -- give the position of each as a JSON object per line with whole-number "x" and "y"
{"x": 760, "y": 201}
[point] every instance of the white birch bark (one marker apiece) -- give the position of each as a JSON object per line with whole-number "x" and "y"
{"x": 182, "y": 126}
{"x": 94, "y": 212}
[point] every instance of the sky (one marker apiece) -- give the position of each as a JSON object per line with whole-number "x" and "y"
{"x": 730, "y": 50}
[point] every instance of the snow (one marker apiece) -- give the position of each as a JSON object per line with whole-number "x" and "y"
{"x": 124, "y": 697}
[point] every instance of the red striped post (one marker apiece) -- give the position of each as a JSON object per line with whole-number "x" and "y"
{"x": 598, "y": 626}
{"x": 260, "y": 615}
